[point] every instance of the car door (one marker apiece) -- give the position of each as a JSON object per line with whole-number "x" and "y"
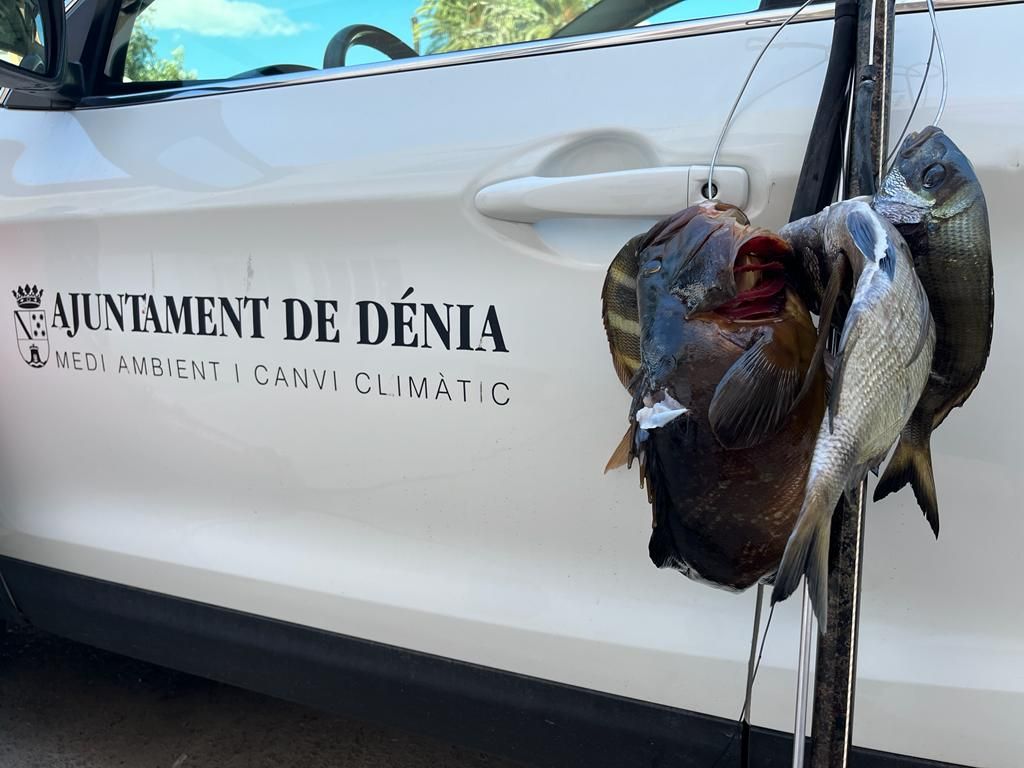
{"x": 325, "y": 346}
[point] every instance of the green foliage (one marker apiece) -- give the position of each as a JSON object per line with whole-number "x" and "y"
{"x": 458, "y": 25}
{"x": 143, "y": 64}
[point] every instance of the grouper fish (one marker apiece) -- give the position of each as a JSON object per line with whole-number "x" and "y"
{"x": 713, "y": 346}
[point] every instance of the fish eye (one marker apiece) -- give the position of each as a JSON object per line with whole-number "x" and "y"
{"x": 933, "y": 175}
{"x": 652, "y": 267}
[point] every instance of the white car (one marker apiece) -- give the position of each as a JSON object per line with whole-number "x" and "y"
{"x": 305, "y": 386}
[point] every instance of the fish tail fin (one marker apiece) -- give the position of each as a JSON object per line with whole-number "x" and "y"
{"x": 807, "y": 555}
{"x": 807, "y": 549}
{"x": 911, "y": 462}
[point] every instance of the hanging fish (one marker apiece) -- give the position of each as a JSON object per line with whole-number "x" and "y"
{"x": 933, "y": 197}
{"x": 881, "y": 366}
{"x": 714, "y": 346}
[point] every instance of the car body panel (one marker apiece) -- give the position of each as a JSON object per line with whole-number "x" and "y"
{"x": 459, "y": 524}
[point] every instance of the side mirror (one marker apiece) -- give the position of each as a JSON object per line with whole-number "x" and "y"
{"x": 32, "y": 45}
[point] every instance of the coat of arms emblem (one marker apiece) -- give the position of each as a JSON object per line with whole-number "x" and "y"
{"x": 30, "y": 326}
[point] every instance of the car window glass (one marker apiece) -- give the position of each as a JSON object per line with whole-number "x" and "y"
{"x": 688, "y": 10}
{"x": 187, "y": 40}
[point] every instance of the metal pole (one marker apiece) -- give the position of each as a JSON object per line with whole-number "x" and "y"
{"x": 872, "y": 97}
{"x": 803, "y": 679}
{"x": 751, "y": 662}
{"x": 751, "y": 669}
{"x": 835, "y": 675}
{"x": 836, "y": 669}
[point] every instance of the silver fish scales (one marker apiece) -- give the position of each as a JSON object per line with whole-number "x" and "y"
{"x": 881, "y": 367}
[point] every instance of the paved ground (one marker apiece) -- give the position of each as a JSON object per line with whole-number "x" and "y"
{"x": 65, "y": 705}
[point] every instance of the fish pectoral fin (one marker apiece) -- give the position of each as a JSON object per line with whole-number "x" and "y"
{"x": 757, "y": 393}
{"x": 872, "y": 239}
{"x": 924, "y": 327}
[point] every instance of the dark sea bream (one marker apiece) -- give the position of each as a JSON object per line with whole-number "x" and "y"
{"x": 934, "y": 198}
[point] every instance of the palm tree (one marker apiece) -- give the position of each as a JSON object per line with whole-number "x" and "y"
{"x": 458, "y": 25}
{"x": 558, "y": 13}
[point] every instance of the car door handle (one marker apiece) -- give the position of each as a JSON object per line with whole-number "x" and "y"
{"x": 638, "y": 193}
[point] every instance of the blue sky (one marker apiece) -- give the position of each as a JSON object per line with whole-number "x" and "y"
{"x": 224, "y": 37}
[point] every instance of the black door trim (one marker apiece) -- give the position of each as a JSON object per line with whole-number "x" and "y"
{"x": 536, "y": 721}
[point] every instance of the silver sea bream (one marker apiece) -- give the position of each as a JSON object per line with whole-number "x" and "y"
{"x": 881, "y": 367}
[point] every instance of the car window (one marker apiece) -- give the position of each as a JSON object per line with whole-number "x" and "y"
{"x": 688, "y": 10}
{"x": 189, "y": 40}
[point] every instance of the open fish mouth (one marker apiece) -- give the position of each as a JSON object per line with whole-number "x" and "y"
{"x": 760, "y": 275}
{"x": 659, "y": 409}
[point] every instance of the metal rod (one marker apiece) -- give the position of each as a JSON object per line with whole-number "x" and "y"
{"x": 753, "y": 651}
{"x": 822, "y": 164}
{"x": 803, "y": 679}
{"x": 872, "y": 97}
{"x": 732, "y": 111}
{"x": 751, "y": 671}
{"x": 942, "y": 63}
{"x": 836, "y": 668}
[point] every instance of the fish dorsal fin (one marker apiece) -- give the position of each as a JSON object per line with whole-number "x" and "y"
{"x": 757, "y": 392}
{"x": 667, "y": 228}
{"x": 619, "y": 310}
